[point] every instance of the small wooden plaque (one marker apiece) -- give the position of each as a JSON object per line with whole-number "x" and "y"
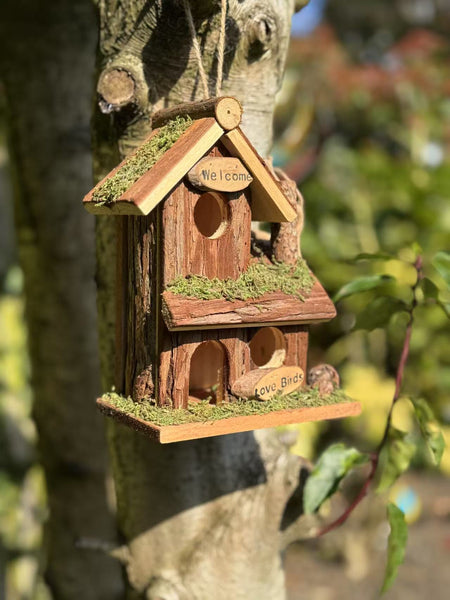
{"x": 221, "y": 174}
{"x": 264, "y": 384}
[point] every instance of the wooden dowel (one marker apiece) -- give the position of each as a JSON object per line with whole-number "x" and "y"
{"x": 226, "y": 110}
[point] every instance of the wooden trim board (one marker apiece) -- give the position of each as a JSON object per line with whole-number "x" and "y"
{"x": 191, "y": 431}
{"x": 183, "y": 313}
{"x": 269, "y": 202}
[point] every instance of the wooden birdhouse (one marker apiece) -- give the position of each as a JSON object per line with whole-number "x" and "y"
{"x": 212, "y": 332}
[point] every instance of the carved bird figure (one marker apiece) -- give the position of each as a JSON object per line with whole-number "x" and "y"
{"x": 325, "y": 378}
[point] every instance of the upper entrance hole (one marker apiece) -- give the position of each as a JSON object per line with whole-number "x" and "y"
{"x": 211, "y": 215}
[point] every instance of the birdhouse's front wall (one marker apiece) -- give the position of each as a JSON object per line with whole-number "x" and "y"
{"x": 296, "y": 337}
{"x": 177, "y": 362}
{"x": 205, "y": 233}
{"x": 196, "y": 364}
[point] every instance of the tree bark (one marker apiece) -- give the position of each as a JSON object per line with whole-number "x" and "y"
{"x": 200, "y": 519}
{"x": 47, "y": 62}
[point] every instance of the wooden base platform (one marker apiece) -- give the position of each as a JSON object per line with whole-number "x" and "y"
{"x": 167, "y": 434}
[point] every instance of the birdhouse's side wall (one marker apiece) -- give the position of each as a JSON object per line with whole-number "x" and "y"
{"x": 137, "y": 319}
{"x": 223, "y": 253}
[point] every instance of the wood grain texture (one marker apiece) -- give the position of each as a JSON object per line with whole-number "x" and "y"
{"x": 142, "y": 197}
{"x": 271, "y": 309}
{"x": 175, "y": 362}
{"x": 191, "y": 431}
{"x": 226, "y": 110}
{"x": 187, "y": 251}
{"x": 268, "y": 200}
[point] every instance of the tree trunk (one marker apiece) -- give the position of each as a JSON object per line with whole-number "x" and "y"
{"x": 200, "y": 519}
{"x": 47, "y": 62}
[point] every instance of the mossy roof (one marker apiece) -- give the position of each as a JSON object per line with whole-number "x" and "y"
{"x": 149, "y": 175}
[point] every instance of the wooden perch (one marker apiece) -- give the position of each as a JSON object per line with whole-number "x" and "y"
{"x": 226, "y": 110}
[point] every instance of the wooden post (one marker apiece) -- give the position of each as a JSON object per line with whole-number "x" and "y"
{"x": 285, "y": 237}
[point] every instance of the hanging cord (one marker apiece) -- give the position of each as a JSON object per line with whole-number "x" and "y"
{"x": 201, "y": 68}
{"x": 221, "y": 47}
{"x": 198, "y": 54}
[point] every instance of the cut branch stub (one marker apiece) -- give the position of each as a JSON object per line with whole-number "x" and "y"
{"x": 226, "y": 110}
{"x": 116, "y": 89}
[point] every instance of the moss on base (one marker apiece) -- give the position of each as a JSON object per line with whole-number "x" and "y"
{"x": 141, "y": 161}
{"x": 260, "y": 278}
{"x": 199, "y": 412}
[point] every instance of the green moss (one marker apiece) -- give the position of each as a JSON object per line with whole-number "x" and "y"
{"x": 260, "y": 278}
{"x": 141, "y": 161}
{"x": 198, "y": 412}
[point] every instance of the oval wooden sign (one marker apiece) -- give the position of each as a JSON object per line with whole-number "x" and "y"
{"x": 282, "y": 380}
{"x": 220, "y": 174}
{"x": 264, "y": 384}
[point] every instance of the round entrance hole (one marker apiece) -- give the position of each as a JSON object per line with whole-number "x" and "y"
{"x": 268, "y": 348}
{"x": 211, "y": 215}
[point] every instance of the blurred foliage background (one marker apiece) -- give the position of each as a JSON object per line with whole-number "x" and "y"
{"x": 363, "y": 125}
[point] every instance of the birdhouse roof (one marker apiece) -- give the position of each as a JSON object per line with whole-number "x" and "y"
{"x": 274, "y": 308}
{"x": 268, "y": 201}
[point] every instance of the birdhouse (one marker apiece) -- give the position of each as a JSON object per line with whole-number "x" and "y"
{"x": 212, "y": 330}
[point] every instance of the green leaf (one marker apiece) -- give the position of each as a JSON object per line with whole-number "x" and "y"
{"x": 429, "y": 429}
{"x": 331, "y": 468}
{"x": 429, "y": 289}
{"x": 362, "y": 284}
{"x": 379, "y": 312}
{"x": 374, "y": 256}
{"x": 441, "y": 262}
{"x": 396, "y": 456}
{"x": 396, "y": 545}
